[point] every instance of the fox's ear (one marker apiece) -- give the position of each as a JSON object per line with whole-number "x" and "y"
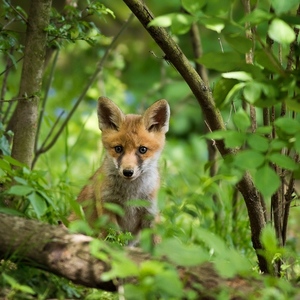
{"x": 109, "y": 114}
{"x": 156, "y": 117}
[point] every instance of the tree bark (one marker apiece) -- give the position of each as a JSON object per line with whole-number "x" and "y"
{"x": 24, "y": 120}
{"x": 213, "y": 116}
{"x": 54, "y": 249}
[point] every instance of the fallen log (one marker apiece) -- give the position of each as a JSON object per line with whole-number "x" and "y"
{"x": 56, "y": 250}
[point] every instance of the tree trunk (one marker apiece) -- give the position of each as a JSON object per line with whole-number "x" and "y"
{"x": 24, "y": 120}
{"x": 54, "y": 249}
{"x": 213, "y": 116}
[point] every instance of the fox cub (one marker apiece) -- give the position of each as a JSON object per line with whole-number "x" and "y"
{"x": 133, "y": 145}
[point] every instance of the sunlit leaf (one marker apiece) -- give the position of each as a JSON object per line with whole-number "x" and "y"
{"x": 181, "y": 23}
{"x": 283, "y": 6}
{"x": 243, "y": 76}
{"x": 281, "y": 32}
{"x": 162, "y": 21}
{"x": 252, "y": 91}
{"x": 215, "y": 24}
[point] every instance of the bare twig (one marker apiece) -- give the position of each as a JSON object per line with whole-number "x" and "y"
{"x": 17, "y": 12}
{"x": 7, "y": 68}
{"x": 44, "y": 101}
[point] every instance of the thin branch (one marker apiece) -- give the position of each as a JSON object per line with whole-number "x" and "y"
{"x": 249, "y": 59}
{"x": 197, "y": 49}
{"x": 17, "y": 12}
{"x": 42, "y": 111}
{"x": 4, "y": 82}
{"x": 38, "y": 152}
{"x": 86, "y": 88}
{"x": 288, "y": 199}
{"x": 7, "y": 68}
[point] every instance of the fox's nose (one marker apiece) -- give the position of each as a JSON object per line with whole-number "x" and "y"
{"x": 128, "y": 173}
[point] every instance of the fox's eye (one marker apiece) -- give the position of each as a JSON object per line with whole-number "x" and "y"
{"x": 119, "y": 149}
{"x": 143, "y": 149}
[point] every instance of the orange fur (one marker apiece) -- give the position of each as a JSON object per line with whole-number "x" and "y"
{"x": 133, "y": 144}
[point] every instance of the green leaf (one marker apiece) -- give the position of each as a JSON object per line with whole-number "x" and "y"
{"x": 220, "y": 61}
{"x": 20, "y": 190}
{"x": 121, "y": 267}
{"x": 277, "y": 144}
{"x": 268, "y": 238}
{"x": 281, "y": 32}
{"x": 193, "y": 6}
{"x": 169, "y": 283}
{"x": 257, "y": 16}
{"x": 297, "y": 143}
{"x": 293, "y": 104}
{"x": 258, "y": 142}
{"x": 162, "y": 21}
{"x": 17, "y": 286}
{"x": 234, "y": 139}
{"x": 249, "y": 159}
{"x": 234, "y": 92}
{"x": 180, "y": 254}
{"x": 252, "y": 91}
{"x": 283, "y": 161}
{"x": 114, "y": 208}
{"x": 38, "y": 203}
{"x": 13, "y": 161}
{"x": 239, "y": 43}
{"x": 283, "y": 6}
{"x": 241, "y": 120}
{"x": 242, "y": 76}
{"x": 267, "y": 61}
{"x": 264, "y": 130}
{"x": 4, "y": 165}
{"x": 181, "y": 23}
{"x": 215, "y": 24}
{"x": 287, "y": 125}
{"x": 221, "y": 89}
{"x": 266, "y": 181}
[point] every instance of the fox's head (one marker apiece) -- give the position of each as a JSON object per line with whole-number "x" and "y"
{"x": 133, "y": 142}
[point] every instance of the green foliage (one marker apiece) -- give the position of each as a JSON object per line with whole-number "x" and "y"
{"x": 29, "y": 192}
{"x": 203, "y": 218}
